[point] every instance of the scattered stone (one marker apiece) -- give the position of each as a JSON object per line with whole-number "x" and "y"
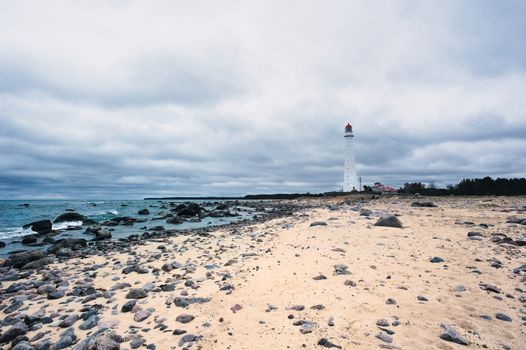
{"x": 384, "y": 337}
{"x": 390, "y": 301}
{"x": 141, "y": 315}
{"x": 128, "y": 306}
{"x": 236, "y": 308}
{"x": 327, "y": 344}
{"x": 143, "y": 212}
{"x": 450, "y": 334}
{"x": 436, "y": 259}
{"x": 502, "y": 317}
{"x": 341, "y": 269}
{"x": 389, "y": 221}
{"x": 319, "y": 277}
{"x": 91, "y": 322}
{"x": 318, "y": 223}
{"x": 423, "y": 204}
{"x": 382, "y": 322}
{"x": 184, "y": 318}
{"x": 136, "y": 293}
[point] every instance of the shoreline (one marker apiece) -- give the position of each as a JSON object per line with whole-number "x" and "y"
{"x": 281, "y": 283}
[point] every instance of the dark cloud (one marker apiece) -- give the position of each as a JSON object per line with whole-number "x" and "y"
{"x": 131, "y": 101}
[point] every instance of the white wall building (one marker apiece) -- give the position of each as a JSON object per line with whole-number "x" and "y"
{"x": 350, "y": 179}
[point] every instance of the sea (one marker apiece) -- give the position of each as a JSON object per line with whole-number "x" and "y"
{"x": 14, "y": 214}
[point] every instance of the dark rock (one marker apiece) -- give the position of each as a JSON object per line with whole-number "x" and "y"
{"x": 318, "y": 223}
{"x": 20, "y": 259}
{"x": 423, "y": 204}
{"x": 175, "y": 220}
{"x": 390, "y": 301}
{"x": 382, "y": 323}
{"x": 436, "y": 259}
{"x": 178, "y": 331}
{"x": 327, "y": 344}
{"x": 502, "y": 317}
{"x": 2, "y": 244}
{"x": 70, "y": 216}
{"x": 341, "y": 269}
{"x": 184, "y": 318}
{"x": 23, "y": 345}
{"x": 13, "y": 307}
{"x": 37, "y": 264}
{"x": 91, "y": 322}
{"x": 71, "y": 243}
{"x": 69, "y": 321}
{"x": 185, "y": 302}
{"x": 389, "y": 221}
{"x": 16, "y": 330}
{"x": 28, "y": 239}
{"x": 319, "y": 278}
{"x": 141, "y": 315}
{"x": 191, "y": 209}
{"x": 128, "y": 306}
{"x": 143, "y": 212}
{"x": 490, "y": 288}
{"x": 41, "y": 227}
{"x": 421, "y": 298}
{"x": 56, "y": 294}
{"x": 136, "y": 293}
{"x": 137, "y": 342}
{"x": 450, "y": 334}
{"x": 102, "y": 235}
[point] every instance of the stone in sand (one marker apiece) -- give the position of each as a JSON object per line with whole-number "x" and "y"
{"x": 450, "y": 334}
{"x": 502, "y": 317}
{"x": 136, "y": 293}
{"x": 318, "y": 223}
{"x": 327, "y": 344}
{"x": 389, "y": 221}
{"x": 184, "y": 318}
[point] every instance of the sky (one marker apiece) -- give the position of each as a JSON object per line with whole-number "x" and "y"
{"x": 128, "y": 99}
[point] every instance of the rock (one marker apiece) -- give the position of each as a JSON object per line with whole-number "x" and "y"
{"x": 307, "y": 327}
{"x": 423, "y": 204}
{"x": 382, "y": 323}
{"x": 41, "y": 227}
{"x": 13, "y": 307}
{"x": 341, "y": 269}
{"x": 91, "y": 322}
{"x": 349, "y": 283}
{"x": 319, "y": 277}
{"x": 141, "y": 315}
{"x": 143, "y": 212}
{"x": 502, "y": 317}
{"x": 236, "y": 308}
{"x": 23, "y": 345}
{"x": 384, "y": 337}
{"x": 69, "y": 321}
{"x": 16, "y": 330}
{"x": 474, "y": 234}
{"x": 2, "y": 244}
{"x": 390, "y": 301}
{"x": 520, "y": 269}
{"x": 104, "y": 339}
{"x": 187, "y": 338}
{"x": 137, "y": 342}
{"x": 318, "y": 223}
{"x": 28, "y": 239}
{"x": 37, "y": 264}
{"x": 128, "y": 306}
{"x": 185, "y": 302}
{"x": 178, "y": 331}
{"x": 102, "y": 235}
{"x": 436, "y": 259}
{"x": 459, "y": 288}
{"x": 184, "y": 318}
{"x": 327, "y": 344}
{"x": 175, "y": 220}
{"x": 66, "y": 339}
{"x": 20, "y": 259}
{"x": 136, "y": 293}
{"x": 71, "y": 243}
{"x": 191, "y": 209}
{"x": 421, "y": 298}
{"x": 56, "y": 294}
{"x": 70, "y": 216}
{"x": 450, "y": 334}
{"x": 296, "y": 308}
{"x": 490, "y": 288}
{"x": 389, "y": 221}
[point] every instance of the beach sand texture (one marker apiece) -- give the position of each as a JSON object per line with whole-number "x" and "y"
{"x": 261, "y": 279}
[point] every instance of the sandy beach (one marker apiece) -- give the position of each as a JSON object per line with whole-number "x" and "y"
{"x": 288, "y": 284}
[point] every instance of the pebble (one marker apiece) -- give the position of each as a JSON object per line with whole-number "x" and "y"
{"x": 502, "y": 317}
{"x": 184, "y": 318}
{"x": 451, "y": 334}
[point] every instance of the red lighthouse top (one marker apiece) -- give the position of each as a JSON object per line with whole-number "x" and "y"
{"x": 348, "y": 127}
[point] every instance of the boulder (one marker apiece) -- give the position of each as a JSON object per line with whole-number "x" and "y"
{"x": 20, "y": 259}
{"x": 423, "y": 204}
{"x": 28, "y": 239}
{"x": 143, "y": 212}
{"x": 450, "y": 334}
{"x": 191, "y": 209}
{"x": 175, "y": 220}
{"x": 41, "y": 227}
{"x": 70, "y": 216}
{"x": 102, "y": 234}
{"x": 389, "y": 221}
{"x": 71, "y": 243}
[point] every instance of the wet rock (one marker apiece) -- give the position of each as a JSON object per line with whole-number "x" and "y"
{"x": 143, "y": 212}
{"x": 20, "y": 259}
{"x": 28, "y": 239}
{"x": 184, "y": 318}
{"x": 450, "y": 334}
{"x": 41, "y": 227}
{"x": 70, "y": 216}
{"x": 71, "y": 243}
{"x": 136, "y": 293}
{"x": 389, "y": 221}
{"x": 102, "y": 235}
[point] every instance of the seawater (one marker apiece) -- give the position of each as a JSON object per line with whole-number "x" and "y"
{"x": 14, "y": 215}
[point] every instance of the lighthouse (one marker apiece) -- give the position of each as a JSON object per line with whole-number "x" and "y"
{"x": 350, "y": 179}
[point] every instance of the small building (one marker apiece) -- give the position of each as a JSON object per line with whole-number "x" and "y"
{"x": 383, "y": 189}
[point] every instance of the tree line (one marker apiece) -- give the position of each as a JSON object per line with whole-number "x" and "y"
{"x": 471, "y": 187}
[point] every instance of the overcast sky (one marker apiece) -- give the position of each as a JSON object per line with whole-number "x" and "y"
{"x": 108, "y": 99}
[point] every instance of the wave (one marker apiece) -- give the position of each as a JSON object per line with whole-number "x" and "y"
{"x": 65, "y": 224}
{"x": 12, "y": 232}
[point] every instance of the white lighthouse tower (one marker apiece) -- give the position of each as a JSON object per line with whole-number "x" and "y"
{"x": 350, "y": 179}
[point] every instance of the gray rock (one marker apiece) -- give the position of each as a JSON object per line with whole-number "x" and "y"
{"x": 307, "y": 327}
{"x": 91, "y": 322}
{"x": 382, "y": 323}
{"x": 23, "y": 345}
{"x": 327, "y": 344}
{"x": 128, "y": 306}
{"x": 66, "y": 339}
{"x": 69, "y": 321}
{"x": 184, "y": 318}
{"x": 141, "y": 315}
{"x": 318, "y": 223}
{"x": 502, "y": 317}
{"x": 450, "y": 334}
{"x": 16, "y": 330}
{"x": 384, "y": 337}
{"x": 136, "y": 293}
{"x": 389, "y": 221}
{"x": 436, "y": 259}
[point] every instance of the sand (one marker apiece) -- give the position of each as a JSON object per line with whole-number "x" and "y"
{"x": 275, "y": 263}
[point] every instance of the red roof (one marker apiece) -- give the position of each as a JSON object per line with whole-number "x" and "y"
{"x": 348, "y": 125}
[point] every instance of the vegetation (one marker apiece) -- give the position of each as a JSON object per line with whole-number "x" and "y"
{"x": 471, "y": 187}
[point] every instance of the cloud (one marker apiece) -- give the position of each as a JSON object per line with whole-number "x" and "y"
{"x": 133, "y": 99}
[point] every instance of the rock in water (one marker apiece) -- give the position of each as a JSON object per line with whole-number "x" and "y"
{"x": 70, "y": 217}
{"x": 450, "y": 334}
{"x": 41, "y": 227}
{"x": 143, "y": 212}
{"x": 389, "y": 221}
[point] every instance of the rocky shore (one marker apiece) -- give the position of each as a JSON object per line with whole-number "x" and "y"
{"x": 392, "y": 273}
